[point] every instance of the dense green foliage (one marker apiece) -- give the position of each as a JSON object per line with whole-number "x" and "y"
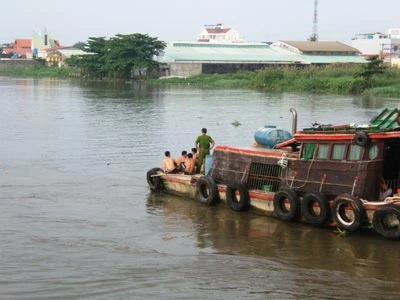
{"x": 120, "y": 57}
{"x": 371, "y": 78}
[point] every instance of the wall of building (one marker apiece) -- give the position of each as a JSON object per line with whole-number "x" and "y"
{"x": 10, "y": 64}
{"x": 370, "y": 47}
{"x": 184, "y": 69}
{"x": 395, "y": 62}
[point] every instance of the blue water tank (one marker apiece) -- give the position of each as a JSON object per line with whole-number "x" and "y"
{"x": 209, "y": 163}
{"x": 268, "y": 136}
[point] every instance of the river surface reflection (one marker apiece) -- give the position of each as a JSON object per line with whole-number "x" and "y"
{"x": 78, "y": 220}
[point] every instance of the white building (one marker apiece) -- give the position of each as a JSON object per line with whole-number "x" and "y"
{"x": 386, "y": 46}
{"x": 219, "y": 33}
{"x": 42, "y": 41}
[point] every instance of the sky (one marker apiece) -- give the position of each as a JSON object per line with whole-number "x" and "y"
{"x": 182, "y": 20}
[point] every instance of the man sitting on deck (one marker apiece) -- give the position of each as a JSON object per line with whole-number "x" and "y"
{"x": 190, "y": 164}
{"x": 168, "y": 164}
{"x": 181, "y": 160}
{"x": 384, "y": 190}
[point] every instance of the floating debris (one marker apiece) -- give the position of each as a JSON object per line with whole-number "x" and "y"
{"x": 236, "y": 123}
{"x": 341, "y": 232}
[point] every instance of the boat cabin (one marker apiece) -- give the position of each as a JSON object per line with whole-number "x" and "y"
{"x": 332, "y": 160}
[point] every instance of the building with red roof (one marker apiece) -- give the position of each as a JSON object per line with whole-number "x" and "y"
{"x": 219, "y": 34}
{"x": 21, "y": 48}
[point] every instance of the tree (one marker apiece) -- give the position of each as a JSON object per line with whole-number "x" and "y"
{"x": 313, "y": 38}
{"x": 79, "y": 45}
{"x": 133, "y": 52}
{"x": 373, "y": 67}
{"x": 119, "y": 56}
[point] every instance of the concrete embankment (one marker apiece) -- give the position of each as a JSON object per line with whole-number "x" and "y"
{"x": 10, "y": 64}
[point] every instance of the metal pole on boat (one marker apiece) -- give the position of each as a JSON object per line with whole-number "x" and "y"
{"x": 322, "y": 182}
{"x": 354, "y": 185}
{"x": 294, "y": 120}
{"x": 293, "y": 177}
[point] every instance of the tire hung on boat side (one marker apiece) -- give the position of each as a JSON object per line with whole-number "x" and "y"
{"x": 386, "y": 221}
{"x": 286, "y": 205}
{"x": 311, "y": 202}
{"x": 361, "y": 138}
{"x": 237, "y": 196}
{"x": 154, "y": 182}
{"x": 207, "y": 190}
{"x": 348, "y": 212}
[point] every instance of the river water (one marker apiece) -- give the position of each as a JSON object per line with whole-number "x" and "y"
{"x": 77, "y": 220}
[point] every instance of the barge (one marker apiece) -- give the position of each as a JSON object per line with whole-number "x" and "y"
{"x": 345, "y": 176}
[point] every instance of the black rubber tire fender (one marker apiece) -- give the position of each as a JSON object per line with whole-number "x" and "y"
{"x": 381, "y": 221}
{"x": 207, "y": 190}
{"x": 235, "y": 189}
{"x": 343, "y": 203}
{"x": 307, "y": 208}
{"x": 362, "y": 139}
{"x": 155, "y": 183}
{"x": 280, "y": 209}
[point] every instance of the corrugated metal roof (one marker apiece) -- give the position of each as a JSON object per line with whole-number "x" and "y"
{"x": 214, "y": 52}
{"x": 245, "y": 53}
{"x": 70, "y": 52}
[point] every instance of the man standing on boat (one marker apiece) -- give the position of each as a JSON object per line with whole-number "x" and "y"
{"x": 204, "y": 143}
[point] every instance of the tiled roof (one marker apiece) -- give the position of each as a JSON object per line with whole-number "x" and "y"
{"x": 217, "y": 30}
{"x": 323, "y": 46}
{"x": 18, "y": 51}
{"x": 22, "y": 43}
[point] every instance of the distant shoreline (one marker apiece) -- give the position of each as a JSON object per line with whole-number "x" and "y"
{"x": 330, "y": 80}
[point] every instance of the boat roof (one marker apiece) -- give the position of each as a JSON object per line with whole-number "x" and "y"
{"x": 385, "y": 125}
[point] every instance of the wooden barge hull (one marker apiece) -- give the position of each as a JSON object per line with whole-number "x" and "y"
{"x": 262, "y": 202}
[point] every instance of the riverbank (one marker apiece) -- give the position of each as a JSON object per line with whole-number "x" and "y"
{"x": 336, "y": 79}
{"x": 330, "y": 80}
{"x": 40, "y": 72}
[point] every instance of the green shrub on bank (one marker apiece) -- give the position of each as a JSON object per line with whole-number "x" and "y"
{"x": 386, "y": 91}
{"x": 336, "y": 79}
{"x": 333, "y": 79}
{"x": 39, "y": 71}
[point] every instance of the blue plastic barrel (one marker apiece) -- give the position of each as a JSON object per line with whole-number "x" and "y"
{"x": 268, "y": 136}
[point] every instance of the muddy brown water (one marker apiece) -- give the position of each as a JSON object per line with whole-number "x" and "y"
{"x": 78, "y": 220}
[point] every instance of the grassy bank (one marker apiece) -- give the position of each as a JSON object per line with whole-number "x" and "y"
{"x": 40, "y": 71}
{"x": 334, "y": 79}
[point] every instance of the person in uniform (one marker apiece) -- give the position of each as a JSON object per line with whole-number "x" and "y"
{"x": 204, "y": 143}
